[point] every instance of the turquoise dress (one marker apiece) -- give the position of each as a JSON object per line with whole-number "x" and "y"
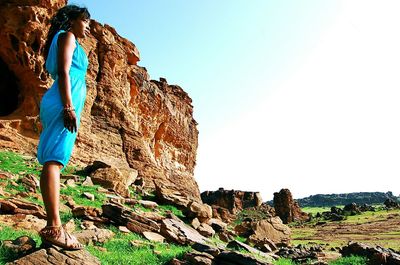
{"x": 56, "y": 142}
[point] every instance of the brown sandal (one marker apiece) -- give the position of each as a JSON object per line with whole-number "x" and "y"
{"x": 58, "y": 236}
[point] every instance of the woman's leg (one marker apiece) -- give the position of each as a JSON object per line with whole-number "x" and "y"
{"x": 50, "y": 188}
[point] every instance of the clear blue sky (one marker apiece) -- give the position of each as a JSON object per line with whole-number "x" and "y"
{"x": 287, "y": 94}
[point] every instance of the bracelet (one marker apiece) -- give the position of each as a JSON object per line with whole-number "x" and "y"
{"x": 69, "y": 109}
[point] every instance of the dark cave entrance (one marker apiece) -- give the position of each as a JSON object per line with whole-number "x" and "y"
{"x": 9, "y": 90}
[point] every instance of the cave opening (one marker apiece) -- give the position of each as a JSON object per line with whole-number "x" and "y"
{"x": 9, "y": 90}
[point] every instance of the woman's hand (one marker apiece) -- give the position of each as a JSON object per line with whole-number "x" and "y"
{"x": 70, "y": 120}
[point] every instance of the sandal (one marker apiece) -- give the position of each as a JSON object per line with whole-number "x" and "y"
{"x": 58, "y": 236}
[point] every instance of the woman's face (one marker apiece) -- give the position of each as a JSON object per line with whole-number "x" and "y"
{"x": 80, "y": 27}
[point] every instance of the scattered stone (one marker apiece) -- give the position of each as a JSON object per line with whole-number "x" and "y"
{"x": 85, "y": 224}
{"x": 237, "y": 245}
{"x": 30, "y": 182}
{"x": 97, "y": 235}
{"x": 148, "y": 204}
{"x": 200, "y": 258}
{"x": 70, "y": 202}
{"x": 207, "y": 248}
{"x": 217, "y": 224}
{"x": 205, "y": 230}
{"x": 70, "y": 183}
{"x": 265, "y": 245}
{"x": 7, "y": 176}
{"x": 300, "y": 253}
{"x": 226, "y": 236}
{"x": 223, "y": 214}
{"x": 168, "y": 195}
{"x": 57, "y": 256}
{"x": 89, "y": 213}
{"x": 116, "y": 179}
{"x": 88, "y": 182}
{"x": 195, "y": 223}
{"x": 23, "y": 221}
{"x": 376, "y": 255}
{"x": 152, "y": 216}
{"x": 155, "y": 237}
{"x": 287, "y": 208}
{"x": 122, "y": 215}
{"x": 238, "y": 258}
{"x": 137, "y": 243}
{"x": 202, "y": 211}
{"x": 181, "y": 233}
{"x": 123, "y": 229}
{"x": 88, "y": 195}
{"x": 21, "y": 246}
{"x": 14, "y": 206}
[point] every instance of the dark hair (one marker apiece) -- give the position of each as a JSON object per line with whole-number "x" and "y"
{"x": 62, "y": 21}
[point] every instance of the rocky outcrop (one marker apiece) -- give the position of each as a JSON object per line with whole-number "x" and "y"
{"x": 233, "y": 200}
{"x": 323, "y": 200}
{"x": 376, "y": 255}
{"x": 129, "y": 121}
{"x": 287, "y": 208}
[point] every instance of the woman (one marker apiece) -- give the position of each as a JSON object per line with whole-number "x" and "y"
{"x": 60, "y": 111}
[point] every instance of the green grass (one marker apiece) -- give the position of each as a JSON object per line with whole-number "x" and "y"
{"x": 77, "y": 191}
{"x": 18, "y": 164}
{"x": 121, "y": 251}
{"x": 283, "y": 261}
{"x": 164, "y": 208}
{"x": 353, "y": 260}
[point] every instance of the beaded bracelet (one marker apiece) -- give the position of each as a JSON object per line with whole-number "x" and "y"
{"x": 69, "y": 109}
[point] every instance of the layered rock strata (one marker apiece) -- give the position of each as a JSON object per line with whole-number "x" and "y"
{"x": 128, "y": 121}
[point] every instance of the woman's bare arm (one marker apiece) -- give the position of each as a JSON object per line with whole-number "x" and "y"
{"x": 66, "y": 46}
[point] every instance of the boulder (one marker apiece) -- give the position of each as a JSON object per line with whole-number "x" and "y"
{"x": 206, "y": 230}
{"x": 30, "y": 182}
{"x": 116, "y": 179}
{"x": 155, "y": 237}
{"x": 57, "y": 256}
{"x": 287, "y": 208}
{"x": 21, "y": 246}
{"x": 202, "y": 211}
{"x": 135, "y": 222}
{"x": 15, "y": 206}
{"x": 271, "y": 228}
{"x": 96, "y": 235}
{"x": 199, "y": 258}
{"x": 180, "y": 233}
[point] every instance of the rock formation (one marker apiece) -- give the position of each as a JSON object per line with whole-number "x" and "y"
{"x": 129, "y": 121}
{"x": 233, "y": 200}
{"x": 287, "y": 208}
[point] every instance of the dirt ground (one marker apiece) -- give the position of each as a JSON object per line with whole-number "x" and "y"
{"x": 381, "y": 229}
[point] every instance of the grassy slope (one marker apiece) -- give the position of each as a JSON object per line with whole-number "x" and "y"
{"x": 118, "y": 250}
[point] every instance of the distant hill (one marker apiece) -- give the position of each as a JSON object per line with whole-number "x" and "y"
{"x": 320, "y": 200}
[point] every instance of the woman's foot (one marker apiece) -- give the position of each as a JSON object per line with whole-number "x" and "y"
{"x": 58, "y": 236}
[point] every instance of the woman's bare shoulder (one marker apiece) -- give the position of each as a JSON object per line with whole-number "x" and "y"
{"x": 66, "y": 38}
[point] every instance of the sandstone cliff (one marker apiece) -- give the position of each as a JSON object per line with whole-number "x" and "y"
{"x": 128, "y": 120}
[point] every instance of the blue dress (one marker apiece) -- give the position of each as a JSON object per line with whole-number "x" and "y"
{"x": 56, "y": 142}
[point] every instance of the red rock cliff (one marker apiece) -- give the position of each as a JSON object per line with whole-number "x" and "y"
{"x": 128, "y": 120}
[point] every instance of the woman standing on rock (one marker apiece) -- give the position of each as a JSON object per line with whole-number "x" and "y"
{"x": 60, "y": 111}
